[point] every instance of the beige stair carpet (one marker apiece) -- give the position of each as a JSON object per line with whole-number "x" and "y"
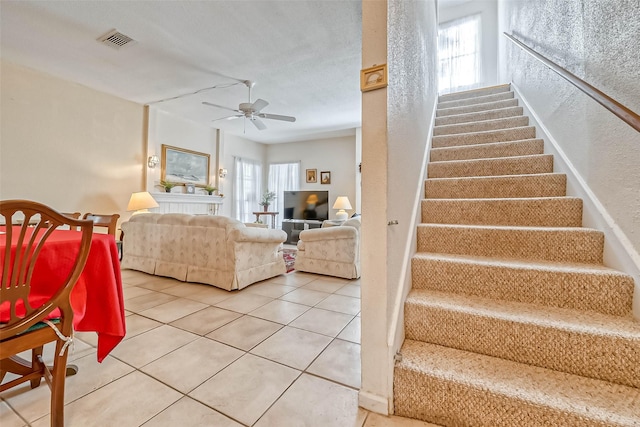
{"x": 513, "y": 320}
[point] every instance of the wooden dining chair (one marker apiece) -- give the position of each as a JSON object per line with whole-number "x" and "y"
{"x": 104, "y": 220}
{"x": 74, "y": 215}
{"x": 109, "y": 221}
{"x": 29, "y": 319}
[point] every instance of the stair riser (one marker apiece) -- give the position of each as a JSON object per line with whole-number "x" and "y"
{"x": 565, "y": 245}
{"x": 474, "y": 93}
{"x": 501, "y": 135}
{"x": 446, "y": 402}
{"x": 609, "y": 358}
{"x": 476, "y": 100}
{"x": 483, "y": 126}
{"x": 476, "y": 108}
{"x": 476, "y": 117}
{"x": 551, "y": 185}
{"x": 488, "y": 151}
{"x": 563, "y": 212}
{"x": 610, "y": 294}
{"x": 492, "y": 167}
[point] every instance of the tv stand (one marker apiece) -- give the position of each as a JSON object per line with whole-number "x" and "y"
{"x": 293, "y": 227}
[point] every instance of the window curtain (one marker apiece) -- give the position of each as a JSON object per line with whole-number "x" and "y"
{"x": 459, "y": 55}
{"x": 283, "y": 177}
{"x": 247, "y": 176}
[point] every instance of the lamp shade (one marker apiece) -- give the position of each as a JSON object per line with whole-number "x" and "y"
{"x": 342, "y": 202}
{"x": 141, "y": 201}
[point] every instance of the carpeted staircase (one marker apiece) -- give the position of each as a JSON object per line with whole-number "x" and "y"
{"x": 512, "y": 319}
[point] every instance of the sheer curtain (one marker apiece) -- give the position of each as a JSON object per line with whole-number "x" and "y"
{"x": 459, "y": 55}
{"x": 247, "y": 175}
{"x": 283, "y": 177}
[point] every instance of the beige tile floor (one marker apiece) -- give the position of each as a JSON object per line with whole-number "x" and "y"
{"x": 282, "y": 352}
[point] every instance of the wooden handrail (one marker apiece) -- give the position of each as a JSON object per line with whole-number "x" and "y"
{"x": 628, "y": 116}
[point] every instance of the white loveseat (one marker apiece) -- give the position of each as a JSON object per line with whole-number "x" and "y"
{"x": 215, "y": 250}
{"x": 331, "y": 250}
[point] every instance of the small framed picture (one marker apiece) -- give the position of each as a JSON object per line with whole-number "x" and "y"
{"x": 191, "y": 188}
{"x": 325, "y": 177}
{"x": 373, "y": 78}
{"x": 312, "y": 175}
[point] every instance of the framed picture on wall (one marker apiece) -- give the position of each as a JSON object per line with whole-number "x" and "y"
{"x": 325, "y": 177}
{"x": 312, "y": 175}
{"x": 185, "y": 166}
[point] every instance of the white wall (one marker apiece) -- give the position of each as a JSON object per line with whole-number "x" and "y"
{"x": 598, "y": 41}
{"x": 396, "y": 125}
{"x": 68, "y": 146}
{"x": 336, "y": 155}
{"x": 488, "y": 11}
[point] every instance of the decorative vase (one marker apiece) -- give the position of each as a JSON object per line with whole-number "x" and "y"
{"x": 266, "y": 207}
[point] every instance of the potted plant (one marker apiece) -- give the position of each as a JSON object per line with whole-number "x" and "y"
{"x": 209, "y": 189}
{"x": 167, "y": 185}
{"x": 267, "y": 198}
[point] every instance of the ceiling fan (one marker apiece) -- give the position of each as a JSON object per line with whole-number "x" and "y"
{"x": 251, "y": 111}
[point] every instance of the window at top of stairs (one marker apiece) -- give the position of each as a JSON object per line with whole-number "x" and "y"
{"x": 459, "y": 54}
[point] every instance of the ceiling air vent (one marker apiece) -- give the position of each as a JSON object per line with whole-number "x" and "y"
{"x": 116, "y": 39}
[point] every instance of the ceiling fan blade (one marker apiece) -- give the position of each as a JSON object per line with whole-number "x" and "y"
{"x": 235, "y": 116}
{"x": 277, "y": 117}
{"x": 220, "y": 106}
{"x": 258, "y": 123}
{"x": 259, "y": 105}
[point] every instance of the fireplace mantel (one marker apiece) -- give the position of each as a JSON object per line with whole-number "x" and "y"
{"x": 187, "y": 203}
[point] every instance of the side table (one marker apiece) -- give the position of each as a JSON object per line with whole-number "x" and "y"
{"x": 271, "y": 214}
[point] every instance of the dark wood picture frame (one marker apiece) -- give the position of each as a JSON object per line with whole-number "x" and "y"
{"x": 325, "y": 177}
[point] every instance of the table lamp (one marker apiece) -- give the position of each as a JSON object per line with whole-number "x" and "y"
{"x": 342, "y": 203}
{"x": 141, "y": 202}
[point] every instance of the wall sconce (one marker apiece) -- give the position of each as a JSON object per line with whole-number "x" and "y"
{"x": 153, "y": 161}
{"x": 222, "y": 172}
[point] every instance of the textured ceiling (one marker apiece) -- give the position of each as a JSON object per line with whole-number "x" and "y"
{"x": 304, "y": 57}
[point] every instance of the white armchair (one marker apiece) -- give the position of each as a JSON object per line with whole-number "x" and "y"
{"x": 332, "y": 250}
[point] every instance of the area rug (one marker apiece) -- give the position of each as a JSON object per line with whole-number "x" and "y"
{"x": 289, "y": 256}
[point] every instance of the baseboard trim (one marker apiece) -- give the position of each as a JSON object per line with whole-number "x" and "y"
{"x": 619, "y": 253}
{"x": 374, "y": 403}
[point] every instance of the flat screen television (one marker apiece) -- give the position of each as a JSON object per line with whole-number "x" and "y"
{"x": 308, "y": 205}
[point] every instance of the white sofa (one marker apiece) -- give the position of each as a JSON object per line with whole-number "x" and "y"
{"x": 331, "y": 250}
{"x": 215, "y": 250}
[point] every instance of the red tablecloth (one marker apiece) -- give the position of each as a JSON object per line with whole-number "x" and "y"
{"x": 97, "y": 300}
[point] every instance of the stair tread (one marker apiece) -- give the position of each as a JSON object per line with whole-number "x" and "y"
{"x": 519, "y": 312}
{"x": 472, "y": 93}
{"x": 581, "y": 286}
{"x": 531, "y": 211}
{"x": 474, "y": 100}
{"x": 576, "y": 230}
{"x": 473, "y": 117}
{"x": 489, "y": 122}
{"x": 487, "y": 102}
{"x": 444, "y": 112}
{"x": 501, "y": 177}
{"x": 485, "y": 145}
{"x": 492, "y": 159}
{"x": 481, "y": 132}
{"x": 557, "y": 266}
{"x": 590, "y": 399}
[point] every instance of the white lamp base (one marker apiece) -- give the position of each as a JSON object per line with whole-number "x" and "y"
{"x": 342, "y": 215}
